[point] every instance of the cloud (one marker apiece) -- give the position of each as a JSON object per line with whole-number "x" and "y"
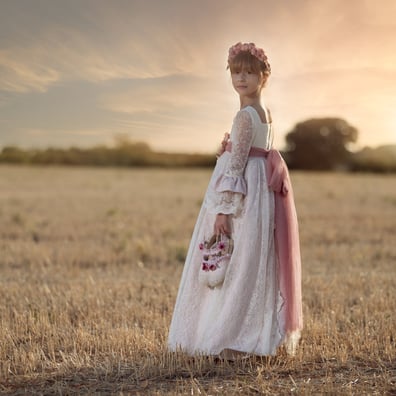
{"x": 99, "y": 42}
{"x": 56, "y": 137}
{"x": 156, "y": 70}
{"x": 173, "y": 112}
{"x": 18, "y": 75}
{"x": 159, "y": 95}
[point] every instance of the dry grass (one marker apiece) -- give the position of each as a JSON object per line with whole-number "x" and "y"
{"x": 90, "y": 261}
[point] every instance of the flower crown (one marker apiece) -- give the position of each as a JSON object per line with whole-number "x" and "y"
{"x": 248, "y": 47}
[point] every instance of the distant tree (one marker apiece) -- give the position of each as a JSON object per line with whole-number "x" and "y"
{"x": 124, "y": 152}
{"x": 320, "y": 143}
{"x": 12, "y": 154}
{"x": 379, "y": 159}
{"x": 130, "y": 153}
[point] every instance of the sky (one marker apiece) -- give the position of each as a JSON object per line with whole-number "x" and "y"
{"x": 81, "y": 72}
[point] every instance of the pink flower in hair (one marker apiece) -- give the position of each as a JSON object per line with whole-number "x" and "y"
{"x": 250, "y": 47}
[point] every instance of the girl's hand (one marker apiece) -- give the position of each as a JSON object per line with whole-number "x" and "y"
{"x": 222, "y": 224}
{"x": 223, "y": 145}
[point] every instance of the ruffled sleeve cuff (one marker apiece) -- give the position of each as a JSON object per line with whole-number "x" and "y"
{"x": 236, "y": 184}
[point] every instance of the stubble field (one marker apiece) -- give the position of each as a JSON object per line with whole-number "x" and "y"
{"x": 90, "y": 261}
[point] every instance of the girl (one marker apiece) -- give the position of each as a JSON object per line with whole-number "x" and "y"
{"x": 249, "y": 197}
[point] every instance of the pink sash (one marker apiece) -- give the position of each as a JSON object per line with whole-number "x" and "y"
{"x": 287, "y": 242}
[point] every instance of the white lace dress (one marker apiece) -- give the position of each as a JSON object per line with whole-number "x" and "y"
{"x": 243, "y": 314}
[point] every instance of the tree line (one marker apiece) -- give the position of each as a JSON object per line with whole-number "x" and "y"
{"x": 315, "y": 144}
{"x": 326, "y": 144}
{"x": 124, "y": 153}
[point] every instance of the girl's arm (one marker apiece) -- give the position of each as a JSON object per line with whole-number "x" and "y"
{"x": 222, "y": 224}
{"x": 231, "y": 186}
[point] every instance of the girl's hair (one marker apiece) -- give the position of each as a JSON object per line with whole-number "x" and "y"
{"x": 245, "y": 60}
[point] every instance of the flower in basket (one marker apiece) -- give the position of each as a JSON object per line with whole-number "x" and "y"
{"x": 215, "y": 255}
{"x": 221, "y": 245}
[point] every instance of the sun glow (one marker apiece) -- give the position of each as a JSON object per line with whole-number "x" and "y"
{"x": 171, "y": 89}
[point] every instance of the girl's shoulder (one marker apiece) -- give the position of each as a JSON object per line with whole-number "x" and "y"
{"x": 244, "y": 116}
{"x": 261, "y": 115}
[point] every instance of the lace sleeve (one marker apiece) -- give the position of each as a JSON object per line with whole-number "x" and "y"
{"x": 241, "y": 143}
{"x": 231, "y": 186}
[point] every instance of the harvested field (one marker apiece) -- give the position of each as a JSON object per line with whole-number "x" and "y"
{"x": 90, "y": 261}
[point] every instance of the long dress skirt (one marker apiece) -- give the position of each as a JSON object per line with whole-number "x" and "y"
{"x": 244, "y": 313}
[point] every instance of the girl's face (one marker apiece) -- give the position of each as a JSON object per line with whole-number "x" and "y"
{"x": 248, "y": 83}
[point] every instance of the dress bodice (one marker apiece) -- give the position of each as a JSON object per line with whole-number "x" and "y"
{"x": 262, "y": 131}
